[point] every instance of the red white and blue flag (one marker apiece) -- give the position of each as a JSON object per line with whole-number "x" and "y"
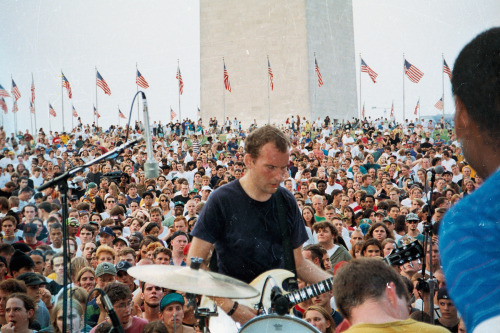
{"x": 439, "y": 104}
{"x": 318, "y": 73}
{"x": 446, "y": 69}
{"x": 66, "y": 85}
{"x": 3, "y": 105}
{"x": 52, "y": 112}
{"x": 172, "y": 114}
{"x": 416, "y": 107}
{"x": 15, "y": 91}
{"x": 366, "y": 69}
{"x": 413, "y": 73}
{"x": 96, "y": 113}
{"x": 75, "y": 114}
{"x": 271, "y": 76}
{"x": 32, "y": 90}
{"x": 363, "y": 112}
{"x": 3, "y": 92}
{"x": 121, "y": 115}
{"x": 141, "y": 81}
{"x": 392, "y": 110}
{"x": 227, "y": 84}
{"x": 14, "y": 107}
{"x": 181, "y": 83}
{"x": 102, "y": 84}
{"x": 32, "y": 107}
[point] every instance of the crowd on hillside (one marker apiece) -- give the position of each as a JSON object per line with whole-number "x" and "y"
{"x": 363, "y": 188}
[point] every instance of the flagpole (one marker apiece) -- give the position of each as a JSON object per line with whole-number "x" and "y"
{"x": 360, "y": 85}
{"x": 119, "y": 112}
{"x": 223, "y": 94}
{"x": 403, "y": 87}
{"x": 268, "y": 96}
{"x": 35, "y": 134}
{"x": 179, "y": 91}
{"x": 62, "y": 100}
{"x": 442, "y": 80}
{"x": 15, "y": 117}
{"x": 96, "y": 111}
{"x": 419, "y": 107}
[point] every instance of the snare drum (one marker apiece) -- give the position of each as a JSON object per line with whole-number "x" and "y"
{"x": 275, "y": 323}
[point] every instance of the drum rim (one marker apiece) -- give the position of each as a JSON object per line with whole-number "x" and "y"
{"x": 285, "y": 317}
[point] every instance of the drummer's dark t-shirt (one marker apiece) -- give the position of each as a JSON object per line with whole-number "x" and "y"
{"x": 246, "y": 232}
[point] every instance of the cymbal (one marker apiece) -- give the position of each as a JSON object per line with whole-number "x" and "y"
{"x": 195, "y": 281}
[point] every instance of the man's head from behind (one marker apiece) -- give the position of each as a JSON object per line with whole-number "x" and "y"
{"x": 476, "y": 87}
{"x": 366, "y": 280}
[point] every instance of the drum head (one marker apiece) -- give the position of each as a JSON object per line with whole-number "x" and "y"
{"x": 275, "y": 323}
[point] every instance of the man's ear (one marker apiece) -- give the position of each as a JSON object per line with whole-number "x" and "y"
{"x": 462, "y": 120}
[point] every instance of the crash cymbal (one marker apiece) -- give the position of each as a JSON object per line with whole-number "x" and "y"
{"x": 195, "y": 281}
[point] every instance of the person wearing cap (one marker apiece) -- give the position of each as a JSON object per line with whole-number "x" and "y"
{"x": 178, "y": 211}
{"x": 33, "y": 283}
{"x": 412, "y": 220}
{"x": 449, "y": 315}
{"x": 123, "y": 277}
{"x": 119, "y": 243}
{"x": 205, "y": 192}
{"x": 106, "y": 236}
{"x": 172, "y": 313}
{"x": 29, "y": 235}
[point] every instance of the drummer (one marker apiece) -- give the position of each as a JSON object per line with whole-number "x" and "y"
{"x": 240, "y": 220}
{"x": 172, "y": 313}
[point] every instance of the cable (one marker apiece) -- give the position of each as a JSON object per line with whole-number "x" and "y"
{"x": 131, "y": 109}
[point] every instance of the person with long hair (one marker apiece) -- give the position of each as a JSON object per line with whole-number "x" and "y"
{"x": 318, "y": 317}
{"x": 378, "y": 231}
{"x": 356, "y": 249}
{"x": 309, "y": 220}
{"x": 371, "y": 248}
{"x": 74, "y": 320}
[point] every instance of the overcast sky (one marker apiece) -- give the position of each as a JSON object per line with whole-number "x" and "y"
{"x": 45, "y": 37}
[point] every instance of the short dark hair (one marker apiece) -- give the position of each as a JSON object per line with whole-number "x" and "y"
{"x": 364, "y": 279}
{"x": 266, "y": 134}
{"x": 476, "y": 82}
{"x": 117, "y": 291}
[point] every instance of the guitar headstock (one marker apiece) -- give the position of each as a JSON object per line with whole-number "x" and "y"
{"x": 405, "y": 253}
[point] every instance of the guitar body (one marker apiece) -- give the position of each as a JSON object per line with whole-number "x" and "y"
{"x": 224, "y": 323}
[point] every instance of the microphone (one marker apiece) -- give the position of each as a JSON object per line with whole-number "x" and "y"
{"x": 279, "y": 302}
{"x": 117, "y": 326}
{"x": 437, "y": 170}
{"x": 151, "y": 168}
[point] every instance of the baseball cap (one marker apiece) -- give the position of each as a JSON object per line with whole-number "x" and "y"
{"x": 412, "y": 217}
{"x": 31, "y": 279}
{"x": 171, "y": 298}
{"x": 179, "y": 203}
{"x": 120, "y": 239}
{"x": 29, "y": 229}
{"x": 136, "y": 234}
{"x": 206, "y": 188}
{"x": 123, "y": 266}
{"x": 105, "y": 268}
{"x": 443, "y": 293}
{"x": 388, "y": 219}
{"x": 106, "y": 230}
{"x": 91, "y": 185}
{"x": 380, "y": 212}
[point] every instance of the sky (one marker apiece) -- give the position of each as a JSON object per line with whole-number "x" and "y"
{"x": 43, "y": 38}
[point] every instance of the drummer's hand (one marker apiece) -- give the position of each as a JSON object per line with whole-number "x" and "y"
{"x": 242, "y": 314}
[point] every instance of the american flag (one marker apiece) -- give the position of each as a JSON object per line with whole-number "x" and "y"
{"x": 101, "y": 83}
{"x": 32, "y": 107}
{"x": 66, "y": 85}
{"x": 141, "y": 81}
{"x": 316, "y": 68}
{"x": 227, "y": 84}
{"x": 363, "y": 112}
{"x": 416, "y": 107}
{"x": 3, "y": 105}
{"x": 14, "y": 107}
{"x": 172, "y": 114}
{"x": 446, "y": 69}
{"x": 3, "y": 92}
{"x": 96, "y": 113}
{"x": 413, "y": 73}
{"x": 121, "y": 115}
{"x": 178, "y": 76}
{"x": 366, "y": 69}
{"x": 52, "y": 112}
{"x": 271, "y": 76}
{"x": 392, "y": 110}
{"x": 439, "y": 104}
{"x": 32, "y": 90}
{"x": 15, "y": 90}
{"x": 75, "y": 114}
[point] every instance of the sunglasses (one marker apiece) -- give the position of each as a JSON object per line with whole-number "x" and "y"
{"x": 73, "y": 224}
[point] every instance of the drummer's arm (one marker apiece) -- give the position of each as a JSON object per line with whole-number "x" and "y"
{"x": 306, "y": 270}
{"x": 199, "y": 249}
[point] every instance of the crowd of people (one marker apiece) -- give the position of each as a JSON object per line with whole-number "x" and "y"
{"x": 361, "y": 189}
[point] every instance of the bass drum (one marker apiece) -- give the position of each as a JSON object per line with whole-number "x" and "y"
{"x": 275, "y": 323}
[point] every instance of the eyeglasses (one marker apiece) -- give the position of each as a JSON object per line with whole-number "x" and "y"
{"x": 73, "y": 224}
{"x": 124, "y": 305}
{"x": 163, "y": 200}
{"x": 110, "y": 201}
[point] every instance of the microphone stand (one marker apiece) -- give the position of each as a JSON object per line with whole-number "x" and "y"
{"x": 431, "y": 282}
{"x": 61, "y": 182}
